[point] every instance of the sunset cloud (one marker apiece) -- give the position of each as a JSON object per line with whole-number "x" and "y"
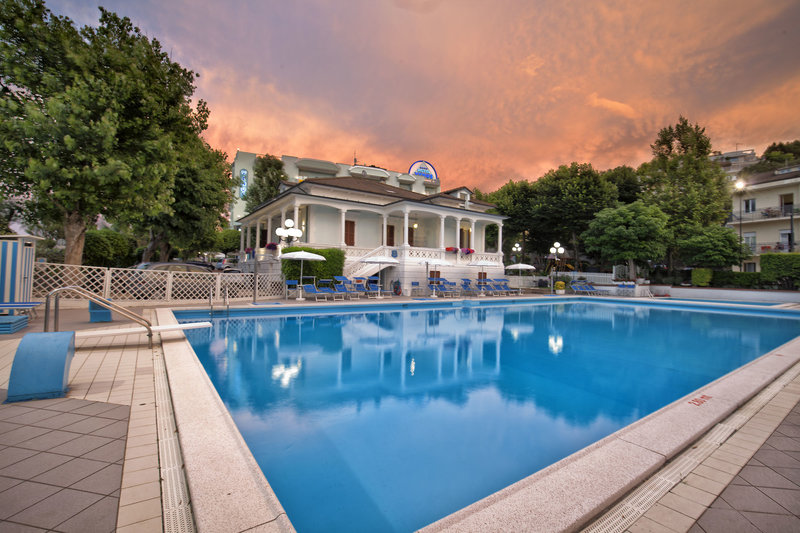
{"x": 487, "y": 92}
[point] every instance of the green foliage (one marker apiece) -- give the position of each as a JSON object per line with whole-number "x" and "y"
{"x": 332, "y": 266}
{"x": 693, "y": 191}
{"x": 627, "y": 181}
{"x": 776, "y": 155}
{"x": 90, "y": 119}
{"x": 740, "y": 280}
{"x": 701, "y": 277}
{"x": 783, "y": 269}
{"x": 634, "y": 233}
{"x": 107, "y": 248}
{"x": 267, "y": 176}
{"x": 563, "y": 203}
{"x": 227, "y": 241}
{"x": 713, "y": 247}
{"x": 48, "y": 251}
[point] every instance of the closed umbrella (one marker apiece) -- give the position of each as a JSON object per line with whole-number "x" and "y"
{"x": 302, "y": 255}
{"x": 483, "y": 264}
{"x": 380, "y": 260}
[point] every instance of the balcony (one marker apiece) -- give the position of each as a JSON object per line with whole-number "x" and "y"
{"x": 771, "y": 248}
{"x": 765, "y": 213}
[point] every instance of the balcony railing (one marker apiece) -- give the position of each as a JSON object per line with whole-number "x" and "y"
{"x": 771, "y": 247}
{"x": 765, "y": 213}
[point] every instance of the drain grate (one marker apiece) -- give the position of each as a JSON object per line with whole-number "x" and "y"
{"x": 622, "y": 515}
{"x": 175, "y": 500}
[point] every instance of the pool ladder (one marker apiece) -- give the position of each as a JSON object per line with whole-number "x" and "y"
{"x": 225, "y": 301}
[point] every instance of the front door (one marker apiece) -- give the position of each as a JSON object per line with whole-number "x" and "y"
{"x": 350, "y": 232}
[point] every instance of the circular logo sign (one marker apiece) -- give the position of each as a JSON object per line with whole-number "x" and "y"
{"x": 424, "y": 169}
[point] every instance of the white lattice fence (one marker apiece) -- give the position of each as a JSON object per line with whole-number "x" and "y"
{"x": 126, "y": 284}
{"x": 49, "y": 276}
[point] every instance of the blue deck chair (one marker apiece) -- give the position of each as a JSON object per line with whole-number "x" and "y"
{"x": 344, "y": 291}
{"x": 498, "y": 289}
{"x": 504, "y": 285}
{"x": 336, "y": 295}
{"x": 466, "y": 287}
{"x": 416, "y": 289}
{"x": 600, "y": 291}
{"x": 310, "y": 289}
{"x": 483, "y": 287}
{"x": 291, "y": 288}
{"x": 373, "y": 291}
{"x": 343, "y": 280}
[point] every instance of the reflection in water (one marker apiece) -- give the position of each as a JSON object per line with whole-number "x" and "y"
{"x": 333, "y": 405}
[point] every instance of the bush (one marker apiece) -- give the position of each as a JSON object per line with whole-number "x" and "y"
{"x": 701, "y": 277}
{"x": 332, "y": 266}
{"x": 742, "y": 280}
{"x": 783, "y": 269}
{"x": 560, "y": 286}
{"x": 108, "y": 248}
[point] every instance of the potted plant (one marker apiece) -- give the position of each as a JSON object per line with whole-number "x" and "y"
{"x": 560, "y": 287}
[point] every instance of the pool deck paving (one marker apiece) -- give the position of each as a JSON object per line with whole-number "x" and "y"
{"x": 95, "y": 460}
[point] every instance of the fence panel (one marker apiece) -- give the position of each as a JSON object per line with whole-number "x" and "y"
{"x": 50, "y": 276}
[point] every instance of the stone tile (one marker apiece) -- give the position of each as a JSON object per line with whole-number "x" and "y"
{"x": 789, "y": 431}
{"x": 693, "y": 494}
{"x": 153, "y": 525}
{"x": 31, "y": 417}
{"x": 100, "y": 516}
{"x": 762, "y": 476}
{"x": 666, "y": 516}
{"x": 725, "y": 521}
{"x": 722, "y": 465}
{"x": 57, "y": 508}
{"x": 8, "y": 482}
{"x": 10, "y": 527}
{"x": 712, "y": 473}
{"x": 82, "y": 445}
{"x": 71, "y": 404}
{"x": 703, "y": 483}
{"x": 119, "y": 412}
{"x": 94, "y": 409}
{"x": 776, "y": 458}
{"x": 10, "y": 411}
{"x": 773, "y": 522}
{"x": 137, "y": 512}
{"x": 131, "y": 479}
{"x": 10, "y": 455}
{"x": 34, "y": 465}
{"x": 22, "y": 496}
{"x": 141, "y": 441}
{"x": 749, "y": 499}
{"x": 21, "y": 434}
{"x": 682, "y": 505}
{"x": 141, "y": 463}
{"x": 645, "y": 525}
{"x": 115, "y": 430}
{"x": 46, "y": 441}
{"x": 785, "y": 444}
{"x": 89, "y": 425}
{"x": 789, "y": 499}
{"x": 133, "y": 452}
{"x": 719, "y": 503}
{"x": 111, "y": 453}
{"x": 139, "y": 493}
{"x": 60, "y": 420}
{"x": 70, "y": 472}
{"x": 106, "y": 481}
{"x": 740, "y": 481}
{"x": 792, "y": 474}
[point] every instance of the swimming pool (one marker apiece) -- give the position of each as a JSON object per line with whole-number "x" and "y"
{"x": 390, "y": 420}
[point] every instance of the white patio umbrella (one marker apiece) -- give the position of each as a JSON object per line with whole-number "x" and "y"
{"x": 434, "y": 262}
{"x": 301, "y": 255}
{"x": 380, "y": 260}
{"x": 483, "y": 264}
{"x": 520, "y": 266}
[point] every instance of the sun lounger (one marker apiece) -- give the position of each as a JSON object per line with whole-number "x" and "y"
{"x": 373, "y": 291}
{"x": 509, "y": 290}
{"x": 22, "y": 307}
{"x": 310, "y": 289}
{"x": 334, "y": 294}
{"x": 344, "y": 291}
{"x": 291, "y": 288}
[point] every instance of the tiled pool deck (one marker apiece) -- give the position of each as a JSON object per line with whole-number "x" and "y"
{"x": 91, "y": 462}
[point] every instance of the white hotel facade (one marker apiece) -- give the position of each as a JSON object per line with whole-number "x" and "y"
{"x": 368, "y": 211}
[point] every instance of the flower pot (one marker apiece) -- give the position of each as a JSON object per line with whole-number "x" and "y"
{"x": 561, "y": 291}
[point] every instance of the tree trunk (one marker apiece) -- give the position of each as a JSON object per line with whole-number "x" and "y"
{"x": 147, "y": 254}
{"x": 631, "y": 269}
{"x": 75, "y": 237}
{"x": 164, "y": 249}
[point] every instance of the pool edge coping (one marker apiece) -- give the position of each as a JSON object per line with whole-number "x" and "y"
{"x": 515, "y": 506}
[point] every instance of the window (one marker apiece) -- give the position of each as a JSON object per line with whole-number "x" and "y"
{"x": 749, "y": 267}
{"x": 406, "y": 186}
{"x": 411, "y": 236}
{"x": 350, "y": 232}
{"x": 750, "y": 240}
{"x": 787, "y": 203}
{"x": 750, "y": 205}
{"x": 389, "y": 235}
{"x": 463, "y": 238}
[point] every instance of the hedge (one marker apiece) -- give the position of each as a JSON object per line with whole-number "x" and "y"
{"x": 743, "y": 280}
{"x": 701, "y": 277}
{"x": 783, "y": 269}
{"x": 332, "y": 266}
{"x": 107, "y": 248}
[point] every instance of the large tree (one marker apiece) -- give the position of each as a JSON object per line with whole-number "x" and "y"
{"x": 692, "y": 190}
{"x": 88, "y": 117}
{"x": 563, "y": 203}
{"x": 713, "y": 247}
{"x": 635, "y": 233}
{"x": 267, "y": 176}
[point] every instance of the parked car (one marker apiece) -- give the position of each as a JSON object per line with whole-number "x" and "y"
{"x": 176, "y": 267}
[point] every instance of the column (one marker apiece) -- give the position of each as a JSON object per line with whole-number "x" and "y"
{"x": 500, "y": 238}
{"x": 269, "y": 229}
{"x": 405, "y": 228}
{"x": 342, "y": 213}
{"x": 258, "y": 234}
{"x": 241, "y": 238}
{"x": 296, "y": 216}
{"x": 248, "y": 236}
{"x": 472, "y": 235}
{"x": 458, "y": 233}
{"x": 441, "y": 232}
{"x": 383, "y": 238}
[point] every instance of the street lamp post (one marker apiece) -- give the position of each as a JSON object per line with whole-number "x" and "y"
{"x": 516, "y": 249}
{"x": 555, "y": 250}
{"x": 289, "y": 233}
{"x": 740, "y": 191}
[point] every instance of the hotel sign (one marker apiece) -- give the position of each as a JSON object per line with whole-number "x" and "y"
{"x": 423, "y": 169}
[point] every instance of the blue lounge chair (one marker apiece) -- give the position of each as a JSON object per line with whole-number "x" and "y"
{"x": 336, "y": 295}
{"x": 310, "y": 289}
{"x": 291, "y": 288}
{"x": 504, "y": 285}
{"x": 416, "y": 289}
{"x": 350, "y": 293}
{"x": 466, "y": 287}
{"x": 601, "y": 292}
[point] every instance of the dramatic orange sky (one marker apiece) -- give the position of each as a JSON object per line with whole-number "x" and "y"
{"x": 487, "y": 91}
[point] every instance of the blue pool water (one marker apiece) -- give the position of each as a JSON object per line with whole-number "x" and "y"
{"x": 388, "y": 421}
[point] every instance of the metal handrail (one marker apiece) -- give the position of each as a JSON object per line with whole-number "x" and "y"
{"x": 99, "y": 300}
